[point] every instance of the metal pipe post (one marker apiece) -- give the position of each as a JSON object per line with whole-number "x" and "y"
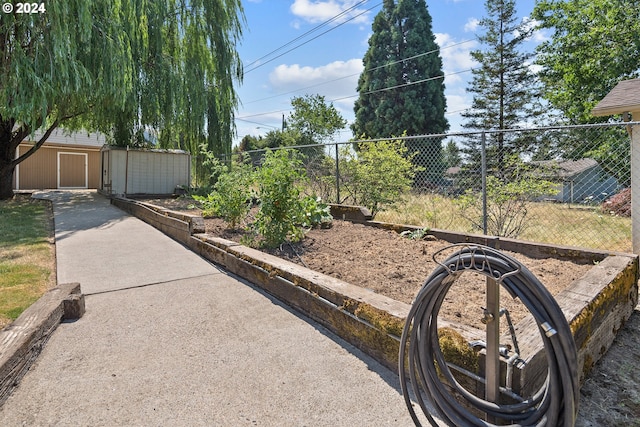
{"x": 492, "y": 362}
{"x": 484, "y": 183}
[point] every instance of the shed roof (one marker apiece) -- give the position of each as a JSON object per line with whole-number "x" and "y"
{"x": 61, "y": 136}
{"x": 624, "y": 97}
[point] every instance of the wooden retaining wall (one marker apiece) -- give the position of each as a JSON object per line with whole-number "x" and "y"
{"x": 22, "y": 341}
{"x": 596, "y": 306}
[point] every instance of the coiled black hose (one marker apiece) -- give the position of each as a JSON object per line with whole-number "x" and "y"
{"x": 554, "y": 404}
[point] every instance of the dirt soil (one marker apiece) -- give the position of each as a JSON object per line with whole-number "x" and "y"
{"x": 396, "y": 266}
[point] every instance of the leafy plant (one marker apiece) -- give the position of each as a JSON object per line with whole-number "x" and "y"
{"x": 279, "y": 188}
{"x": 316, "y": 213}
{"x": 378, "y": 174}
{"x": 507, "y": 199}
{"x": 231, "y": 195}
{"x": 418, "y": 234}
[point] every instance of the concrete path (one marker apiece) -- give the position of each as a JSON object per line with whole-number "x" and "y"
{"x": 169, "y": 339}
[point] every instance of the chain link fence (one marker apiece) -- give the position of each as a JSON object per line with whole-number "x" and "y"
{"x": 562, "y": 185}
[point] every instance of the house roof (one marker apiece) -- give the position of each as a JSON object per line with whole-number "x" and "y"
{"x": 569, "y": 168}
{"x": 625, "y": 97}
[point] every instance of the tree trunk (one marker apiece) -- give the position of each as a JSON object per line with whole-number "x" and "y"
{"x": 6, "y": 180}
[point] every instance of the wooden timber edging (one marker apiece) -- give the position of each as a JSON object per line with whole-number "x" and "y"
{"x": 596, "y": 306}
{"x": 23, "y": 340}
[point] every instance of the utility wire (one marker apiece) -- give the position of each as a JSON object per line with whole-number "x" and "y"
{"x": 368, "y": 92}
{"x": 307, "y": 33}
{"x": 356, "y": 74}
{"x": 311, "y": 39}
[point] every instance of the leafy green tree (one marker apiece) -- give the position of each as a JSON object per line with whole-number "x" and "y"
{"x": 378, "y": 174}
{"x": 504, "y": 88}
{"x": 314, "y": 120}
{"x": 123, "y": 68}
{"x": 593, "y": 45}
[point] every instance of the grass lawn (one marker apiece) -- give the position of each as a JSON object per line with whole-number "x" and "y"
{"x": 557, "y": 223}
{"x": 27, "y": 254}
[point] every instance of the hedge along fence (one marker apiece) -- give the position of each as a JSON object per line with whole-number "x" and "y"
{"x": 596, "y": 305}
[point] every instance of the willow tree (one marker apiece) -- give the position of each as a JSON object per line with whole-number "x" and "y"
{"x": 124, "y": 68}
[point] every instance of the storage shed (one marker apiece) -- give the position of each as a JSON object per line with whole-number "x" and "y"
{"x": 65, "y": 161}
{"x": 128, "y": 171}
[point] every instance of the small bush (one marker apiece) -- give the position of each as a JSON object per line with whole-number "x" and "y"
{"x": 316, "y": 213}
{"x": 279, "y": 188}
{"x": 231, "y": 196}
{"x": 507, "y": 200}
{"x": 378, "y": 174}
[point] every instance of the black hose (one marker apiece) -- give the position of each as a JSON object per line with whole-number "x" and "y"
{"x": 554, "y": 404}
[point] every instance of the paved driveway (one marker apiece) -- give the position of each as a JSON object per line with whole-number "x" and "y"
{"x": 169, "y": 339}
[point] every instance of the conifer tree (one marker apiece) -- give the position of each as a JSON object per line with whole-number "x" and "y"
{"x": 401, "y": 90}
{"x": 504, "y": 88}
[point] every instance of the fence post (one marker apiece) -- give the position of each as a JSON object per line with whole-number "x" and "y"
{"x": 483, "y": 139}
{"x": 635, "y": 186}
{"x": 337, "y": 176}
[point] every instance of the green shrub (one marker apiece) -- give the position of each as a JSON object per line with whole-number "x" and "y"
{"x": 378, "y": 174}
{"x": 231, "y": 196}
{"x": 507, "y": 199}
{"x": 279, "y": 187}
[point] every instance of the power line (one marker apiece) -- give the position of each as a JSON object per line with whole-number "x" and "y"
{"x": 308, "y": 32}
{"x": 311, "y": 39}
{"x": 369, "y": 92}
{"x": 356, "y": 74}
{"x": 403, "y": 85}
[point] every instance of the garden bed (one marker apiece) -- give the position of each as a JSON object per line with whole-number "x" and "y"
{"x": 395, "y": 266}
{"x": 596, "y": 304}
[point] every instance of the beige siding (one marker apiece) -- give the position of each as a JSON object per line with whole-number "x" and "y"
{"x": 40, "y": 171}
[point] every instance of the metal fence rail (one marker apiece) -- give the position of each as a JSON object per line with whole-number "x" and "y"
{"x": 552, "y": 184}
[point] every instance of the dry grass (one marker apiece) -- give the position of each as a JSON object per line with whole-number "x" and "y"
{"x": 558, "y": 223}
{"x": 27, "y": 254}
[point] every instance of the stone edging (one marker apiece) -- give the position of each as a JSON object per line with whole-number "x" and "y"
{"x": 596, "y": 306}
{"x": 22, "y": 341}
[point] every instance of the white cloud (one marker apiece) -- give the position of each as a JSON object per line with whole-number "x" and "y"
{"x": 320, "y": 11}
{"x": 456, "y": 57}
{"x": 334, "y": 80}
{"x": 472, "y": 25}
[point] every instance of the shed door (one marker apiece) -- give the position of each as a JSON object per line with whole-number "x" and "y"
{"x": 72, "y": 170}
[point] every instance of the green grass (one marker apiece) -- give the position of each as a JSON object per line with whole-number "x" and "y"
{"x": 557, "y": 223}
{"x": 27, "y": 258}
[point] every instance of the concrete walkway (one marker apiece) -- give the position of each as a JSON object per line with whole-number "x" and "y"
{"x": 169, "y": 339}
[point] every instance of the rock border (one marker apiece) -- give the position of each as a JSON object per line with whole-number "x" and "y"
{"x": 596, "y": 306}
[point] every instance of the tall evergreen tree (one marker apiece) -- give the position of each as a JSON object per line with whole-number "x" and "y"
{"x": 503, "y": 86}
{"x": 401, "y": 90}
{"x": 120, "y": 67}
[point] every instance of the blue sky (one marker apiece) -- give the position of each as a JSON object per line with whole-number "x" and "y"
{"x": 329, "y": 64}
